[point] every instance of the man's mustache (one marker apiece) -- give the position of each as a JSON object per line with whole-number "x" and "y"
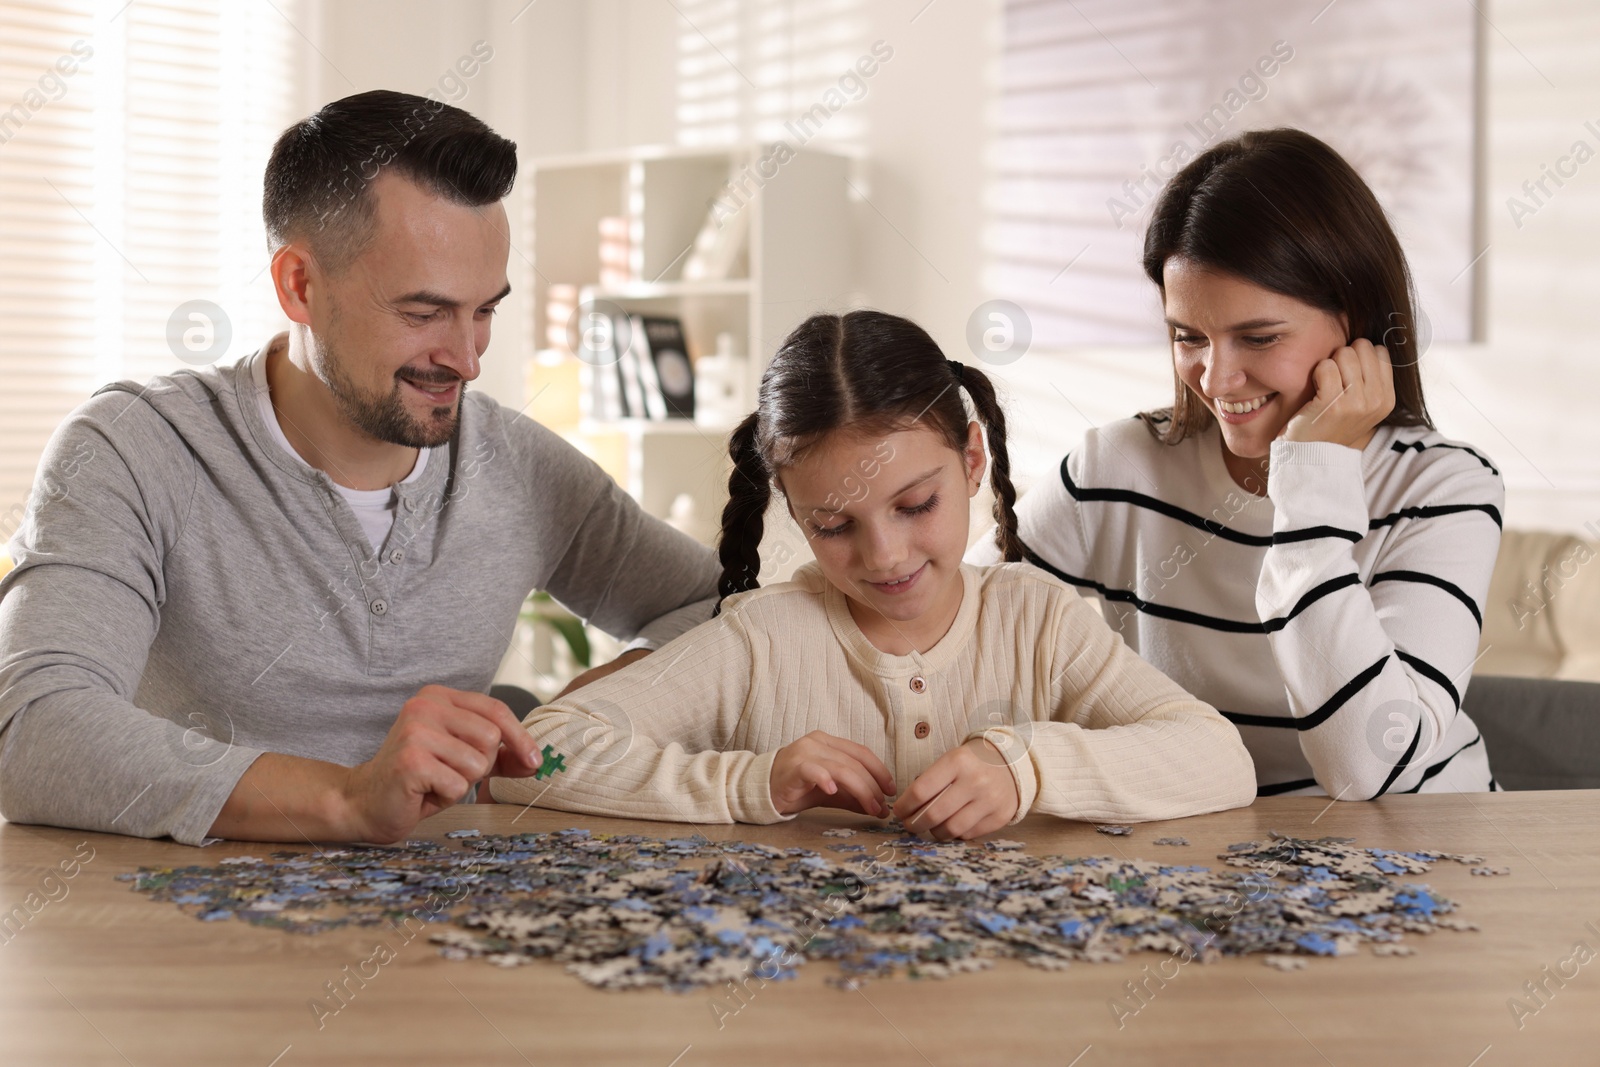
{"x": 419, "y": 379}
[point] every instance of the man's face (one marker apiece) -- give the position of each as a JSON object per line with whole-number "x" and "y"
{"x": 404, "y": 325}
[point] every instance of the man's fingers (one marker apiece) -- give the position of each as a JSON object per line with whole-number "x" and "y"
{"x": 462, "y": 757}
{"x": 511, "y": 730}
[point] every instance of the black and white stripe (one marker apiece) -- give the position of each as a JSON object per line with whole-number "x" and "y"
{"x": 1377, "y": 564}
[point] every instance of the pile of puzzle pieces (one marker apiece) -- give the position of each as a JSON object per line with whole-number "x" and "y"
{"x": 627, "y": 911}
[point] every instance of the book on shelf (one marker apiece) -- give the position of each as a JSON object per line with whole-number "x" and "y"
{"x": 627, "y": 370}
{"x": 655, "y": 403}
{"x": 667, "y": 353}
{"x": 600, "y": 382}
{"x": 641, "y": 370}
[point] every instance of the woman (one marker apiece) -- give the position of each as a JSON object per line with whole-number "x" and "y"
{"x": 1291, "y": 541}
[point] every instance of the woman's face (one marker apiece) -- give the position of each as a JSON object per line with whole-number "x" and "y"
{"x": 887, "y": 518}
{"x": 1246, "y": 352}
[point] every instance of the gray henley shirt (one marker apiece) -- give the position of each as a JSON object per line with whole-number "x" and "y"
{"x": 187, "y": 595}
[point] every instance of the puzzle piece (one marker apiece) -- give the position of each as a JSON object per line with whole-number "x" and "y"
{"x": 1115, "y": 831}
{"x": 552, "y": 763}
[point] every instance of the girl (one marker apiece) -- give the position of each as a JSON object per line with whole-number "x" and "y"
{"x": 886, "y": 668}
{"x": 1291, "y": 540}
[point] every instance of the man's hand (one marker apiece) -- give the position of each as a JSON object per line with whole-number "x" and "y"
{"x": 1355, "y": 392}
{"x": 968, "y": 792}
{"x": 812, "y": 771}
{"x": 594, "y": 674}
{"x": 443, "y": 741}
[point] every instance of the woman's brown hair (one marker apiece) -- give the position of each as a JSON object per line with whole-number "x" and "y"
{"x": 1282, "y": 210}
{"x": 867, "y": 371}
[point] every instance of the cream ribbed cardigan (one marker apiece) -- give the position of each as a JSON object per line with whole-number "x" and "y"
{"x": 1089, "y": 730}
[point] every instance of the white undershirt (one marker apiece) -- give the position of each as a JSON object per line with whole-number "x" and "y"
{"x": 374, "y": 508}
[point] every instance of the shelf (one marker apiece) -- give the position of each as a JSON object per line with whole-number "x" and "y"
{"x": 793, "y": 259}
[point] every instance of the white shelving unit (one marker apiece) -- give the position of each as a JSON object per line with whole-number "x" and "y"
{"x": 797, "y": 260}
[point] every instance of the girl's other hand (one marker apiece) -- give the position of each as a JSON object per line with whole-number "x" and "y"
{"x": 968, "y": 792}
{"x": 1355, "y": 392}
{"x": 821, "y": 770}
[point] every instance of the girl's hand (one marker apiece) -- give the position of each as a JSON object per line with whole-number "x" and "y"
{"x": 968, "y": 792}
{"x": 1355, "y": 392}
{"x": 821, "y": 770}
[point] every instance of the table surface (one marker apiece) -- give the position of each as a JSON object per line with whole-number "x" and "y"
{"x": 104, "y": 975}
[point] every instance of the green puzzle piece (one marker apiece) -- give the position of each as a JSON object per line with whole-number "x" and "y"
{"x": 552, "y": 763}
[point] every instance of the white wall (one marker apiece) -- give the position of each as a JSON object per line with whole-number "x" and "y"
{"x": 571, "y": 75}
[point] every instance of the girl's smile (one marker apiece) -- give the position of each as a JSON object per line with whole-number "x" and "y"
{"x": 886, "y": 516}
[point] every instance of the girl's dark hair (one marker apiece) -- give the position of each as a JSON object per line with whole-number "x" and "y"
{"x": 873, "y": 373}
{"x": 1282, "y": 210}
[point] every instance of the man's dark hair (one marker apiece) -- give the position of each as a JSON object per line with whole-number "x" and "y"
{"x": 318, "y": 179}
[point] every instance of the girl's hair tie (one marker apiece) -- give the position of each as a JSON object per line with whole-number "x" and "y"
{"x": 956, "y": 368}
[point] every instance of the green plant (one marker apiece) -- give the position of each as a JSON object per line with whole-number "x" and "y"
{"x": 541, "y": 609}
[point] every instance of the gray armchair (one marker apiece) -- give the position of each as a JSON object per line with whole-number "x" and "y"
{"x": 1542, "y": 733}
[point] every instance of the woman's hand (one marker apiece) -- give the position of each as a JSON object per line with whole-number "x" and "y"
{"x": 821, "y": 770}
{"x": 968, "y": 792}
{"x": 1355, "y": 392}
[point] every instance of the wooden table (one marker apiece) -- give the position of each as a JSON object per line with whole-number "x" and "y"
{"x": 102, "y": 975}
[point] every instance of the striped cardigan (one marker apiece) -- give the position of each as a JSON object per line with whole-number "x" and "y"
{"x": 1335, "y": 621}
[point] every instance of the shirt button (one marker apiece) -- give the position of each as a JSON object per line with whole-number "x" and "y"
{"x": 918, "y": 684}
{"x": 380, "y": 607}
{"x": 410, "y": 505}
{"x": 397, "y": 555}
{"x": 922, "y": 730}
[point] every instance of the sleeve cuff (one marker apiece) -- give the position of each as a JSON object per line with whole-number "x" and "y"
{"x": 1316, "y": 483}
{"x": 750, "y": 800}
{"x": 1014, "y": 750}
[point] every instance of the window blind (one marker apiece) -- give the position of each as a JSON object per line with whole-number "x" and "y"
{"x": 128, "y": 187}
{"x": 1094, "y": 96}
{"x": 749, "y": 69}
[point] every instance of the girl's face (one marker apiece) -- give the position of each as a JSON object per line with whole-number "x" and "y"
{"x": 1246, "y": 352}
{"x": 887, "y": 519}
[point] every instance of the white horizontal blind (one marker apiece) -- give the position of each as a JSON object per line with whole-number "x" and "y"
{"x": 47, "y": 251}
{"x": 751, "y": 70}
{"x": 1094, "y": 95}
{"x": 136, "y": 191}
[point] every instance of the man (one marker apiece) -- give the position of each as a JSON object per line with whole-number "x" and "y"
{"x": 266, "y": 601}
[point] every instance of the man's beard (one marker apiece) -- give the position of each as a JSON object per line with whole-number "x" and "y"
{"x": 383, "y": 416}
